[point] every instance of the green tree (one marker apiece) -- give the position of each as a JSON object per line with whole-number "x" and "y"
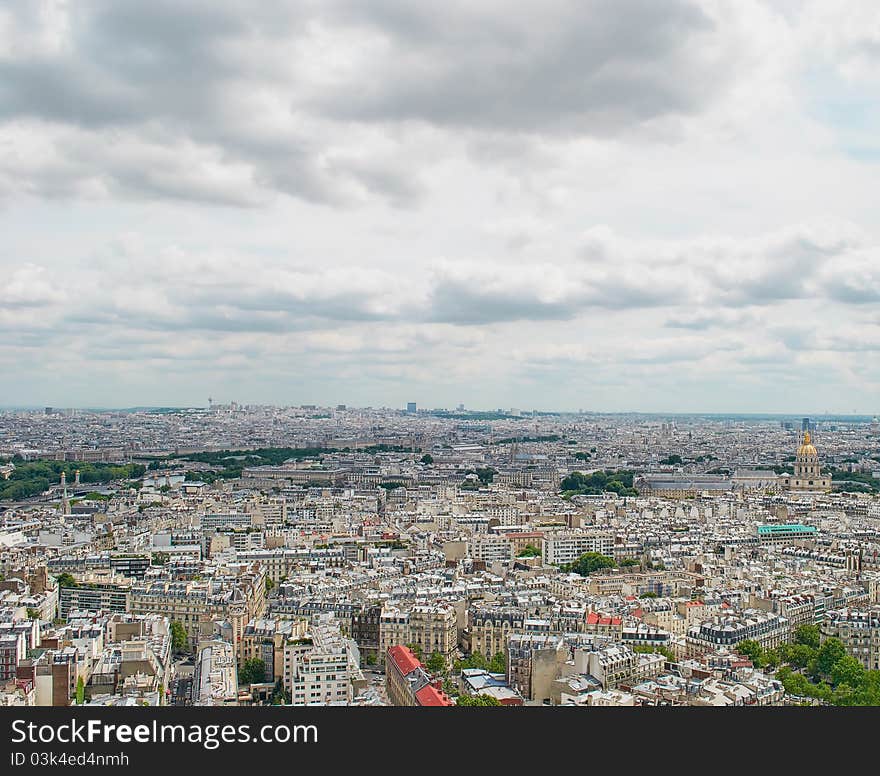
{"x": 498, "y": 663}
{"x": 65, "y": 580}
{"x": 477, "y": 700}
{"x": 619, "y": 482}
{"x": 179, "y": 638}
{"x": 269, "y": 584}
{"x": 415, "y": 649}
{"x": 427, "y": 459}
{"x": 798, "y": 655}
{"x": 475, "y": 660}
{"x": 529, "y": 551}
{"x": 829, "y": 653}
{"x": 436, "y": 663}
{"x": 752, "y": 650}
{"x": 848, "y": 671}
{"x": 80, "y": 691}
{"x": 252, "y": 671}
{"x": 771, "y": 658}
{"x": 659, "y": 649}
{"x": 280, "y": 696}
{"x": 590, "y": 562}
{"x": 808, "y": 635}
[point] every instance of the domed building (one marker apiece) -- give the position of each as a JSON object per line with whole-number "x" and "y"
{"x": 807, "y": 477}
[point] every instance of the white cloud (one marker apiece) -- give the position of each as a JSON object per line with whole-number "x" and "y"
{"x": 613, "y": 204}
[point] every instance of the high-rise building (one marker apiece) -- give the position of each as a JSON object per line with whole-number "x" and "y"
{"x": 411, "y": 407}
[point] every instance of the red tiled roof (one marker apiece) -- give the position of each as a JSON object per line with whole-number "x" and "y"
{"x": 404, "y": 659}
{"x": 592, "y": 618}
{"x": 431, "y": 696}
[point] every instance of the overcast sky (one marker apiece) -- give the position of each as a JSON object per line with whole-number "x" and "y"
{"x": 598, "y": 204}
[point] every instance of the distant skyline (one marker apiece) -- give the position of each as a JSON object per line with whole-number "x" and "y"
{"x": 616, "y": 205}
{"x": 526, "y": 412}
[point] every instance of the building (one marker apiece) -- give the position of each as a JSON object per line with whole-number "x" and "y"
{"x": 567, "y": 546}
{"x": 479, "y": 681}
{"x": 682, "y": 486}
{"x": 266, "y": 639}
{"x": 807, "y": 477}
{"x": 786, "y": 533}
{"x": 616, "y": 664}
{"x": 490, "y": 627}
{"x": 433, "y": 628}
{"x": 323, "y": 667}
{"x": 767, "y": 628}
{"x": 534, "y": 660}
{"x": 408, "y": 683}
{"x": 859, "y": 630}
{"x": 403, "y": 675}
{"x": 197, "y": 604}
{"x": 96, "y": 593}
{"x": 215, "y": 677}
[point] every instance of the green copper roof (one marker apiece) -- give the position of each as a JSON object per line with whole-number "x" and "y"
{"x": 786, "y": 528}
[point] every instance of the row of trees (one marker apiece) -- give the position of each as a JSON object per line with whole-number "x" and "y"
{"x": 810, "y": 669}
{"x": 34, "y": 477}
{"x": 578, "y": 483}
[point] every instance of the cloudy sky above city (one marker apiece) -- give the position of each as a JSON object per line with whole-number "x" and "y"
{"x": 600, "y": 204}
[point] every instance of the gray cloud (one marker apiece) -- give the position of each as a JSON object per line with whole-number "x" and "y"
{"x": 591, "y": 68}
{"x": 242, "y": 104}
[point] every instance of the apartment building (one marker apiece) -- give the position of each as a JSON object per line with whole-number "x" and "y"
{"x": 617, "y": 664}
{"x": 859, "y": 630}
{"x": 567, "y": 546}
{"x": 603, "y": 624}
{"x": 490, "y": 548}
{"x": 265, "y": 639}
{"x": 96, "y": 592}
{"x": 215, "y": 676}
{"x": 767, "y": 628}
{"x": 431, "y": 627}
{"x": 434, "y": 628}
{"x": 408, "y": 684}
{"x": 197, "y": 604}
{"x": 323, "y": 667}
{"x": 534, "y": 660}
{"x": 490, "y": 628}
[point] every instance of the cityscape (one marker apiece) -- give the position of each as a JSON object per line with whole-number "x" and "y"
{"x": 395, "y": 354}
{"x": 253, "y": 555}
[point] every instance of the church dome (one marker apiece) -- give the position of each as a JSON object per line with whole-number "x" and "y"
{"x": 806, "y": 449}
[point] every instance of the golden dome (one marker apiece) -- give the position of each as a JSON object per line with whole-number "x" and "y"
{"x": 806, "y": 449}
